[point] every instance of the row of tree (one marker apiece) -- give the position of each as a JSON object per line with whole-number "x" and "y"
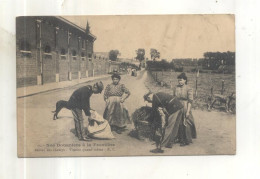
{"x": 113, "y": 54}
{"x": 160, "y": 65}
{"x": 213, "y": 60}
{"x": 140, "y": 54}
{"x": 125, "y": 65}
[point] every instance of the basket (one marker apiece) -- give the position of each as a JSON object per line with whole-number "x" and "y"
{"x": 142, "y": 118}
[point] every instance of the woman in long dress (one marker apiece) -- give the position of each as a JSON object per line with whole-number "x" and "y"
{"x": 186, "y": 128}
{"x": 116, "y": 113}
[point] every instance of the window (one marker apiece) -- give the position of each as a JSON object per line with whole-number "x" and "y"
{"x": 47, "y": 52}
{"x": 25, "y": 49}
{"x": 74, "y": 55}
{"x": 89, "y": 56}
{"x": 25, "y": 46}
{"x": 83, "y": 44}
{"x": 47, "y": 49}
{"x": 63, "y": 54}
{"x": 63, "y": 51}
{"x": 82, "y": 56}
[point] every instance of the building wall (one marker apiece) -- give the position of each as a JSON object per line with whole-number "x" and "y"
{"x": 90, "y": 68}
{"x": 26, "y": 64}
{"x": 82, "y": 58}
{"x": 83, "y": 67}
{"x": 62, "y": 54}
{"x": 102, "y": 62}
{"x": 49, "y": 53}
{"x": 74, "y": 58}
{"x": 89, "y": 47}
{"x": 60, "y": 61}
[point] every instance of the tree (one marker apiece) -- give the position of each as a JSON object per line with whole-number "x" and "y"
{"x": 140, "y": 53}
{"x": 213, "y": 60}
{"x": 154, "y": 54}
{"x": 113, "y": 55}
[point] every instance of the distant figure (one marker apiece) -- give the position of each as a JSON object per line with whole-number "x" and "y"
{"x": 115, "y": 71}
{"x": 129, "y": 70}
{"x": 186, "y": 128}
{"x": 134, "y": 72}
{"x": 79, "y": 101}
{"x": 116, "y": 113}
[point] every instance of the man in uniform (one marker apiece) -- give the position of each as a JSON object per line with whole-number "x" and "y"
{"x": 79, "y": 101}
{"x": 163, "y": 107}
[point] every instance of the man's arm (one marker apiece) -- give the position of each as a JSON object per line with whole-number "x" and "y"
{"x": 85, "y": 101}
{"x": 87, "y": 108}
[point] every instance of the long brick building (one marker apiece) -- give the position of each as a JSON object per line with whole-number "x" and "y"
{"x": 52, "y": 49}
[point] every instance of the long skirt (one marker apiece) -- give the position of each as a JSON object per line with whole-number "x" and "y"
{"x": 176, "y": 130}
{"x": 188, "y": 131}
{"x": 116, "y": 113}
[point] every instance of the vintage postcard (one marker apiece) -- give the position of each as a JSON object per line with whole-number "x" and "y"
{"x": 140, "y": 85}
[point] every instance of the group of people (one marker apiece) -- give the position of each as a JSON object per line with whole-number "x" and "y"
{"x": 115, "y": 112}
{"x": 172, "y": 117}
{"x": 132, "y": 71}
{"x": 173, "y": 121}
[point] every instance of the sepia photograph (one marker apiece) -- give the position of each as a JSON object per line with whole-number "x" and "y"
{"x": 125, "y": 85}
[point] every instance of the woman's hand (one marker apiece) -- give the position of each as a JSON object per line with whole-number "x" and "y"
{"x": 187, "y": 114}
{"x": 186, "y": 118}
{"x": 185, "y": 122}
{"x": 122, "y": 100}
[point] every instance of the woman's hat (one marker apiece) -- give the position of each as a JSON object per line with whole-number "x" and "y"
{"x": 116, "y": 75}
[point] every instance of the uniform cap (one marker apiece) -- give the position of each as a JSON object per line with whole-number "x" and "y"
{"x": 100, "y": 86}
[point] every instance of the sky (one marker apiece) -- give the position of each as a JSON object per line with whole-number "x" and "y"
{"x": 174, "y": 36}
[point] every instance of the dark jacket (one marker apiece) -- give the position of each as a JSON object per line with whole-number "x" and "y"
{"x": 166, "y": 101}
{"x": 80, "y": 99}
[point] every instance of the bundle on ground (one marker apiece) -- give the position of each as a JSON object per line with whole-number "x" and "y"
{"x": 142, "y": 119}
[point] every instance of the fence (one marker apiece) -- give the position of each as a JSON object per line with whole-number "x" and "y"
{"x": 202, "y": 84}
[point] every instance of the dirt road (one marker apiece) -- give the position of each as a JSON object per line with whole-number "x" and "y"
{"x": 40, "y": 135}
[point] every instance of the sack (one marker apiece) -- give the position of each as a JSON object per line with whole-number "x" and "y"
{"x": 98, "y": 127}
{"x": 96, "y": 117}
{"x": 100, "y": 131}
